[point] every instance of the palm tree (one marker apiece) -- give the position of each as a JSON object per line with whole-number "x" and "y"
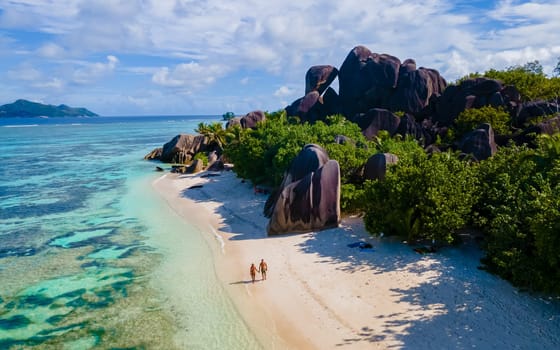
{"x": 215, "y": 133}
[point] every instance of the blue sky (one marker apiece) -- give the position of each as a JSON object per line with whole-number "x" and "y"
{"x": 161, "y": 57}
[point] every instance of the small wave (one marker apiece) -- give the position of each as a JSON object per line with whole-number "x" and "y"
{"x": 218, "y": 238}
{"x": 20, "y": 126}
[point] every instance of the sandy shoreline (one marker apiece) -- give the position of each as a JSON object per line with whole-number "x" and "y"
{"x": 323, "y": 294}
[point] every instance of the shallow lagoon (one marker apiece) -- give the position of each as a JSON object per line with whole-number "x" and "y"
{"x": 87, "y": 250}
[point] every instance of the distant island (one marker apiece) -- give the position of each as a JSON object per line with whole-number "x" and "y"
{"x": 24, "y": 108}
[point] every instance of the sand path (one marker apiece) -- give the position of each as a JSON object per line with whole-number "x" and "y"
{"x": 323, "y": 294}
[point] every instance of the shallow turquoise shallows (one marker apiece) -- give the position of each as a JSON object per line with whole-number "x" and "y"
{"x": 81, "y": 262}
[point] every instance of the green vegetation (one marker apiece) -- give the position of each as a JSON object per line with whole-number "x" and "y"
{"x": 422, "y": 197}
{"x": 519, "y": 214}
{"x": 469, "y": 119}
{"x": 529, "y": 79}
{"x": 513, "y": 198}
{"x": 215, "y": 133}
{"x": 228, "y": 115}
{"x": 24, "y": 108}
{"x": 264, "y": 154}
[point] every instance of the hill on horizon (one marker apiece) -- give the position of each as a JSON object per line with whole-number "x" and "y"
{"x": 24, "y": 108}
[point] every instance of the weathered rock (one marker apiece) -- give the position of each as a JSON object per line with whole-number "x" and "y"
{"x": 218, "y": 165}
{"x": 376, "y": 165}
{"x": 154, "y": 154}
{"x": 309, "y": 204}
{"x": 318, "y": 78}
{"x": 344, "y": 140}
{"x": 548, "y": 127}
{"x": 212, "y": 157}
{"x": 366, "y": 80}
{"x": 409, "y": 126}
{"x": 377, "y": 119}
{"x": 536, "y": 109}
{"x": 479, "y": 142}
{"x": 313, "y": 107}
{"x": 473, "y": 93}
{"x": 250, "y": 120}
{"x": 233, "y": 121}
{"x": 182, "y": 148}
{"x": 308, "y": 160}
{"x": 414, "y": 89}
{"x": 196, "y": 166}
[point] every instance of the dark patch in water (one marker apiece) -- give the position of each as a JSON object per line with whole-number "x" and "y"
{"x": 64, "y": 205}
{"x": 76, "y": 303}
{"x": 93, "y": 263}
{"x": 10, "y": 305}
{"x": 26, "y": 241}
{"x": 55, "y": 319}
{"x": 98, "y": 240}
{"x": 34, "y": 300}
{"x": 17, "y": 251}
{"x": 14, "y": 322}
{"x": 73, "y": 294}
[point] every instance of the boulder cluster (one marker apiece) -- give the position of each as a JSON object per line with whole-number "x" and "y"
{"x": 381, "y": 92}
{"x": 377, "y": 92}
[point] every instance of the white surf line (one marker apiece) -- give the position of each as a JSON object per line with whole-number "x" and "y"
{"x": 159, "y": 179}
{"x": 218, "y": 238}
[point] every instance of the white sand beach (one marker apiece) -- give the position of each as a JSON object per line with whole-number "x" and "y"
{"x": 323, "y": 294}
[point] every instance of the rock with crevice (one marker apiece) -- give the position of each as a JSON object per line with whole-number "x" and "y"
{"x": 309, "y": 197}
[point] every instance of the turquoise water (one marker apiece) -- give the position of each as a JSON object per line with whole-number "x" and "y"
{"x": 85, "y": 243}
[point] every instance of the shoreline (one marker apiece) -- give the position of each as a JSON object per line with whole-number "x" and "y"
{"x": 321, "y": 293}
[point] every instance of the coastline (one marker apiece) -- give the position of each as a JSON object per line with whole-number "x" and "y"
{"x": 321, "y": 293}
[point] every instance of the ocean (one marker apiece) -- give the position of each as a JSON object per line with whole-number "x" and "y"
{"x": 85, "y": 242}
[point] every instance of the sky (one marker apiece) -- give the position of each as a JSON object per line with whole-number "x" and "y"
{"x": 208, "y": 57}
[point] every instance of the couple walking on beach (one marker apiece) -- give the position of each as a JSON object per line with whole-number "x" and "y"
{"x": 263, "y": 267}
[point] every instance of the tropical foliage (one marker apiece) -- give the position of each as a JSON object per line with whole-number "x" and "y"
{"x": 529, "y": 79}
{"x": 513, "y": 198}
{"x": 422, "y": 197}
{"x": 263, "y": 155}
{"x": 472, "y": 118}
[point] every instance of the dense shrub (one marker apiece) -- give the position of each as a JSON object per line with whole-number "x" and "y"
{"x": 529, "y": 79}
{"x": 264, "y": 154}
{"x": 469, "y": 119}
{"x": 422, "y": 197}
{"x": 519, "y": 212}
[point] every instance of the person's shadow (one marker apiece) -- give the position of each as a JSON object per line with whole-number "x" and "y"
{"x": 245, "y": 282}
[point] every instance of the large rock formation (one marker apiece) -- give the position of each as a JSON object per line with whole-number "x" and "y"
{"x": 370, "y": 80}
{"x": 182, "y": 148}
{"x": 377, "y": 119}
{"x": 474, "y": 93}
{"x": 479, "y": 143}
{"x": 309, "y": 196}
{"x": 248, "y": 121}
{"x": 376, "y": 165}
{"x": 318, "y": 78}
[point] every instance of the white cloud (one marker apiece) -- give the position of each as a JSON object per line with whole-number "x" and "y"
{"x": 190, "y": 75}
{"x": 284, "y": 91}
{"x": 275, "y": 41}
{"x": 54, "y": 83}
{"x": 51, "y": 50}
{"x": 25, "y": 72}
{"x": 93, "y": 71}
